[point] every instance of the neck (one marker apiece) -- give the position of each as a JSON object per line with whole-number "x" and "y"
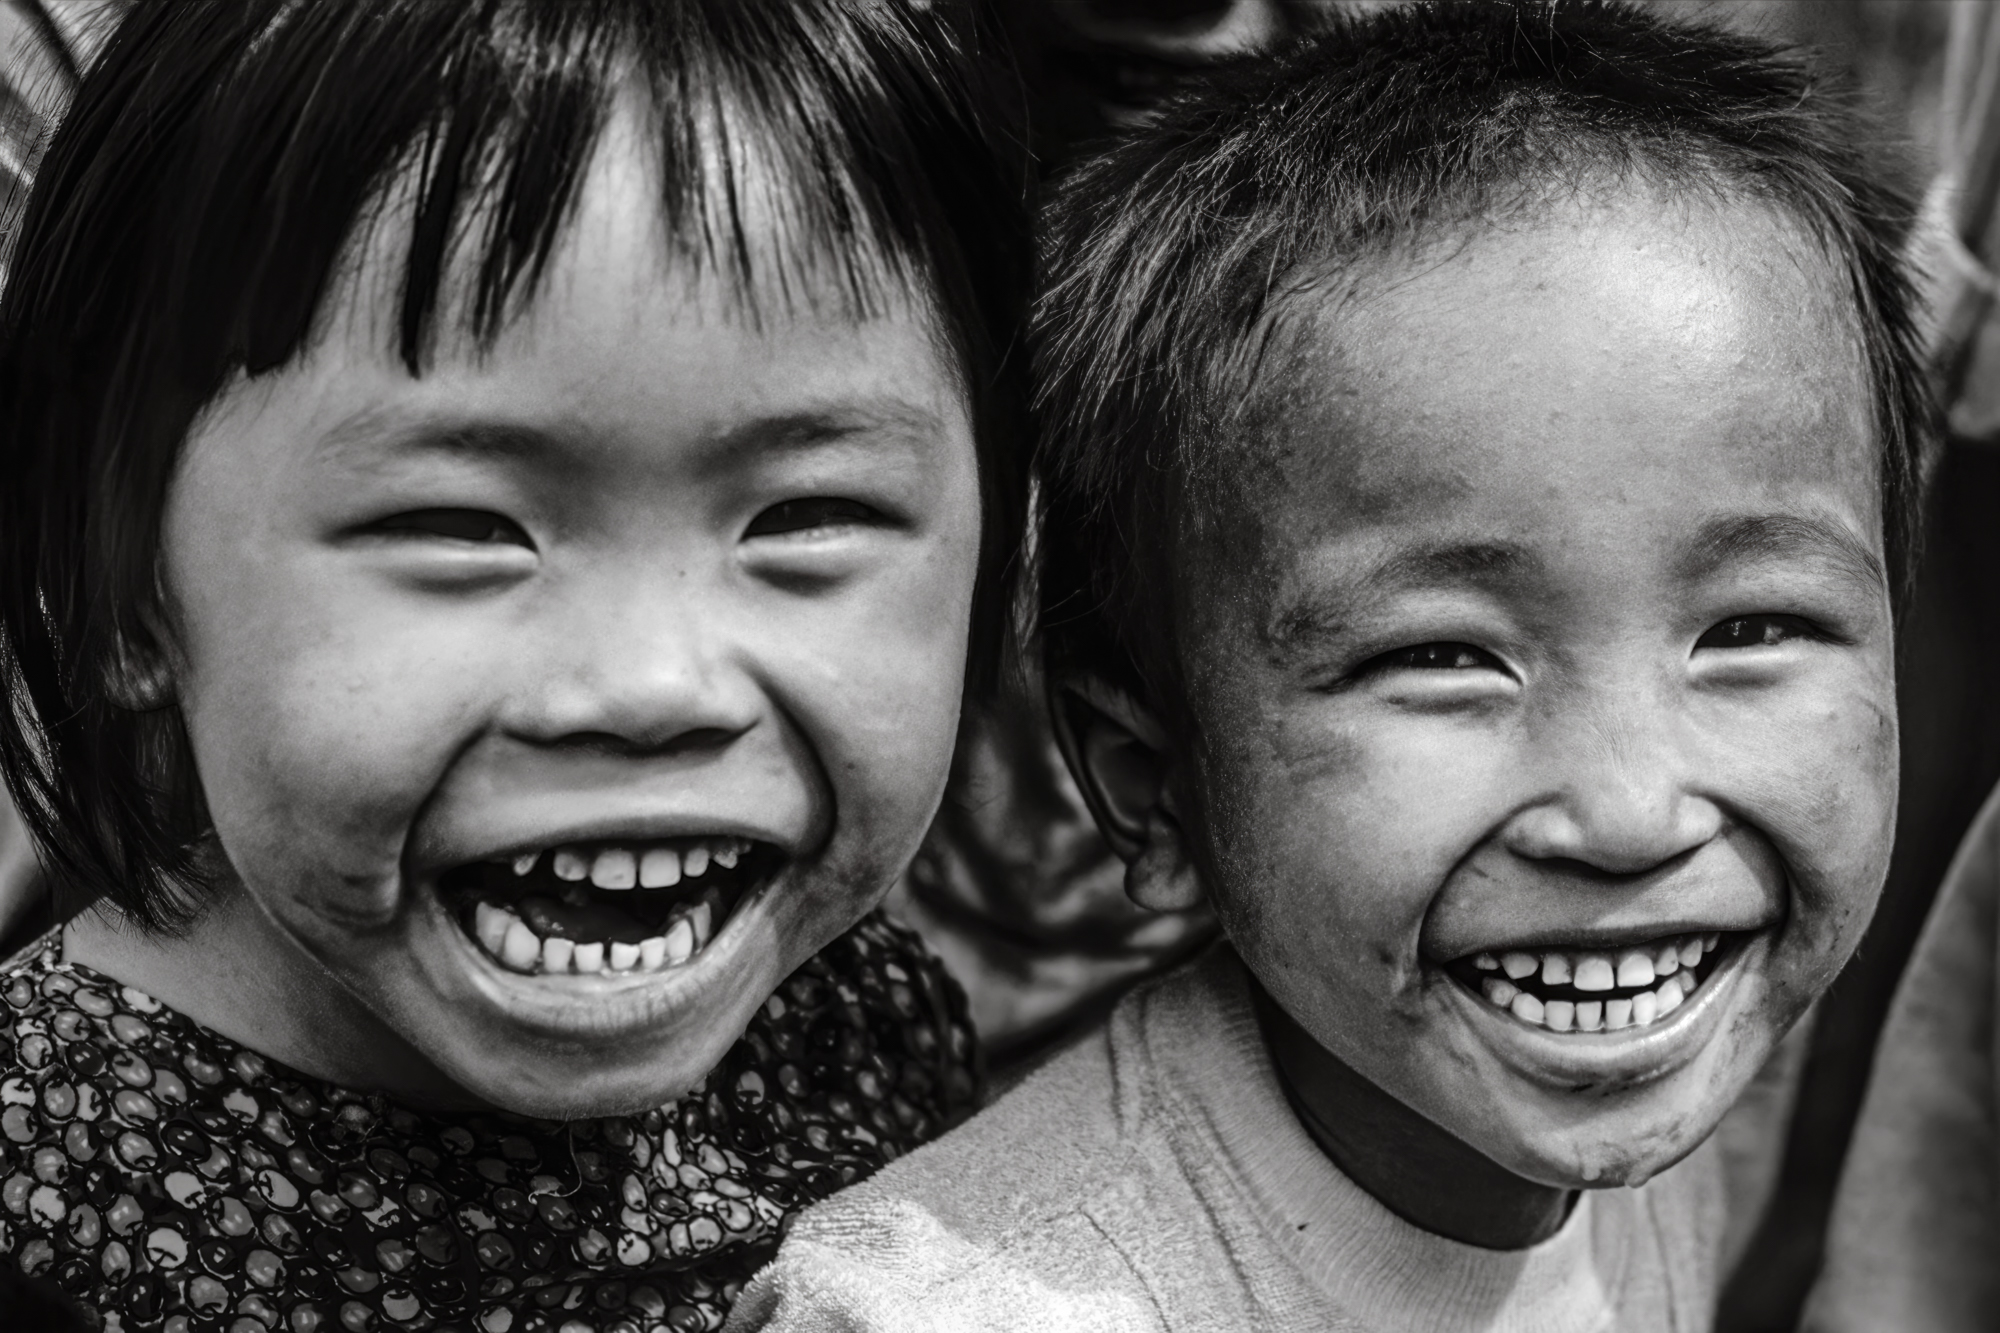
{"x": 1415, "y": 1169}
{"x": 235, "y": 972}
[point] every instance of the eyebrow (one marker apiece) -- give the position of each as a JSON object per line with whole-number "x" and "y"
{"x": 796, "y": 431}
{"x": 1750, "y": 538}
{"x": 1324, "y": 613}
{"x": 806, "y": 430}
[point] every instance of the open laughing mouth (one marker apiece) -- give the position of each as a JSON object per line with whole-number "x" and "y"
{"x": 1584, "y": 990}
{"x": 606, "y": 908}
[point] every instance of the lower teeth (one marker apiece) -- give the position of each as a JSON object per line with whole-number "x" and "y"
{"x": 509, "y": 941}
{"x": 1590, "y": 1015}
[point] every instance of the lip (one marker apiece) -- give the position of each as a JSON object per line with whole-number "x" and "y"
{"x": 439, "y": 858}
{"x": 1571, "y": 1061}
{"x": 1610, "y": 939}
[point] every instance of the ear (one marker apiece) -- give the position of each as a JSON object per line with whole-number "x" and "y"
{"x": 1119, "y": 754}
{"x": 137, "y": 676}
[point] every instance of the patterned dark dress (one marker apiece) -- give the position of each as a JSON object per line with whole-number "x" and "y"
{"x": 167, "y": 1178}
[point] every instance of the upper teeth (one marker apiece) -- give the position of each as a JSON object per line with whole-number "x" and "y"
{"x": 649, "y": 867}
{"x": 1627, "y": 969}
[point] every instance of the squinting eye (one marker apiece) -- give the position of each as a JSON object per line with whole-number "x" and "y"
{"x": 464, "y": 525}
{"x": 807, "y": 514}
{"x": 1438, "y": 657}
{"x": 1756, "y": 632}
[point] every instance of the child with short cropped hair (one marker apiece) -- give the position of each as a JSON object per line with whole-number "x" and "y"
{"x": 1482, "y": 444}
{"x": 498, "y": 501}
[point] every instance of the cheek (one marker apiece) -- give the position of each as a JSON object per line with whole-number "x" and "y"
{"x": 877, "y": 680}
{"x": 1328, "y": 839}
{"x": 1821, "y": 782}
{"x": 320, "y": 722}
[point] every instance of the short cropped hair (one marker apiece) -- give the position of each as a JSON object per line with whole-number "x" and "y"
{"x": 1165, "y": 257}
{"x": 189, "y": 220}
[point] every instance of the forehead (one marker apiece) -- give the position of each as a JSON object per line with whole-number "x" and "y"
{"x": 746, "y": 243}
{"x": 624, "y": 351}
{"x": 1681, "y": 356}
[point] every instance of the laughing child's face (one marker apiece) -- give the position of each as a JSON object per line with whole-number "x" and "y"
{"x": 1545, "y": 753}
{"x": 553, "y": 706}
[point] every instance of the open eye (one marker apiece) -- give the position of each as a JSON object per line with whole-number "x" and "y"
{"x": 812, "y": 512}
{"x": 1762, "y": 631}
{"x": 478, "y": 526}
{"x": 1437, "y": 657}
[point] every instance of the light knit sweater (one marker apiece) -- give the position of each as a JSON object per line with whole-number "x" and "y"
{"x": 1153, "y": 1177}
{"x": 1915, "y": 1240}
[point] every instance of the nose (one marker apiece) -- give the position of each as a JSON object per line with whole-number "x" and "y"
{"x": 1620, "y": 797}
{"x": 635, "y": 670}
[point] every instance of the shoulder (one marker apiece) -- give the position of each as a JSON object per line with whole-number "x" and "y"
{"x": 892, "y": 1264}
{"x": 1000, "y": 1224}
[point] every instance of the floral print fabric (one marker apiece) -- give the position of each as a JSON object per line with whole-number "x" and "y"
{"x": 167, "y": 1178}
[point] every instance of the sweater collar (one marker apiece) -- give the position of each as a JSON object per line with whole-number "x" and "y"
{"x": 1235, "y": 1125}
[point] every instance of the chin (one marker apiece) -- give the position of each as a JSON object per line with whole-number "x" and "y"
{"x": 582, "y": 1089}
{"x": 1592, "y": 1140}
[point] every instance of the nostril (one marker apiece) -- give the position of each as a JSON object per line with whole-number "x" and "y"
{"x": 693, "y": 740}
{"x": 1611, "y": 833}
{"x": 1610, "y": 869}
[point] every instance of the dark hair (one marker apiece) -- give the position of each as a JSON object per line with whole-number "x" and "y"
{"x": 191, "y": 213}
{"x": 1165, "y": 258}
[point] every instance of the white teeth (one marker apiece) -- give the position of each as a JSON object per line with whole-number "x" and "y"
{"x": 522, "y": 949}
{"x": 1555, "y": 969}
{"x": 490, "y": 924}
{"x": 1518, "y": 965}
{"x": 1667, "y": 960}
{"x": 1591, "y": 1015}
{"x": 1486, "y": 962}
{"x": 556, "y": 954}
{"x": 1634, "y": 969}
{"x": 1593, "y": 972}
{"x": 614, "y": 868}
{"x": 660, "y": 868}
{"x": 1691, "y": 951}
{"x": 1710, "y": 940}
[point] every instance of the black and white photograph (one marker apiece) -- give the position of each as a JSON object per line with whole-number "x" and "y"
{"x": 945, "y": 666}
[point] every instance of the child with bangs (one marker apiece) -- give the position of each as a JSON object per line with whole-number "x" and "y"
{"x": 1481, "y": 445}
{"x": 499, "y": 500}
